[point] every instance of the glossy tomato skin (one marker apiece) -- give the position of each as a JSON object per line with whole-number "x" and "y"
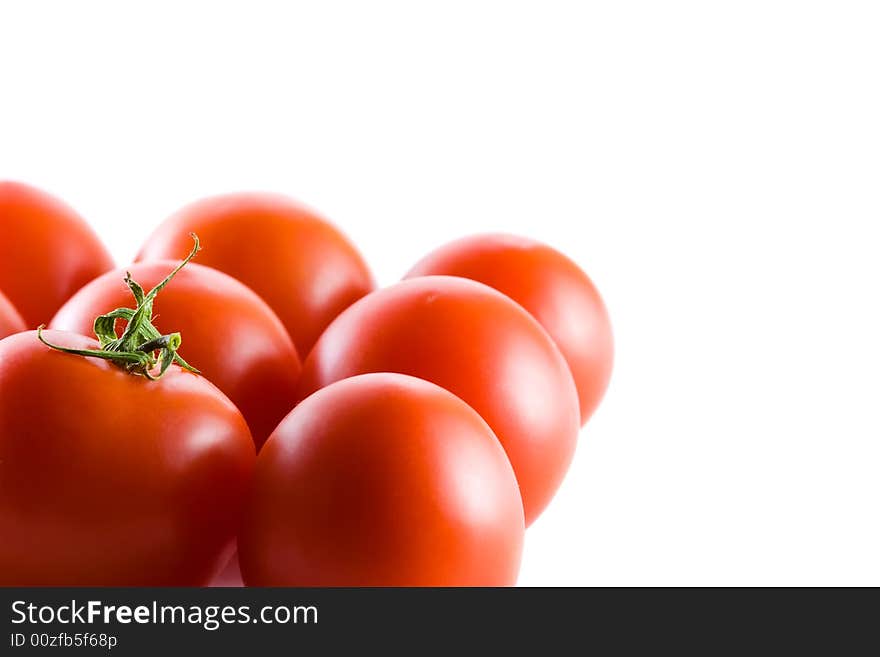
{"x": 47, "y": 252}
{"x": 111, "y": 479}
{"x": 476, "y": 343}
{"x": 552, "y": 288}
{"x": 382, "y": 480}
{"x": 229, "y": 334}
{"x": 303, "y": 266}
{"x": 10, "y": 321}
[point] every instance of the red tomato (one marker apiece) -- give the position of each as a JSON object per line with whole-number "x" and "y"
{"x": 10, "y": 321}
{"x": 111, "y": 479}
{"x": 47, "y": 252}
{"x": 476, "y": 343}
{"x": 305, "y": 269}
{"x": 229, "y": 334}
{"x": 230, "y": 575}
{"x": 552, "y": 288}
{"x": 382, "y": 480}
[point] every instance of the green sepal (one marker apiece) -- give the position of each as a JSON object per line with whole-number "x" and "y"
{"x": 135, "y": 350}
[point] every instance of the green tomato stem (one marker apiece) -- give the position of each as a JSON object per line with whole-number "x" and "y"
{"x": 141, "y": 348}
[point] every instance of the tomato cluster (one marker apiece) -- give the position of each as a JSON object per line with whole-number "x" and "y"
{"x": 266, "y": 411}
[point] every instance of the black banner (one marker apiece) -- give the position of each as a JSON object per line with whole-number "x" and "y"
{"x": 175, "y": 621}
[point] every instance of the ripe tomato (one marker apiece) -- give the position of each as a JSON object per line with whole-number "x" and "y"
{"x": 229, "y": 334}
{"x": 47, "y": 252}
{"x": 304, "y": 268}
{"x": 552, "y": 288}
{"x": 476, "y": 343}
{"x": 111, "y": 479}
{"x": 382, "y": 480}
{"x": 10, "y": 321}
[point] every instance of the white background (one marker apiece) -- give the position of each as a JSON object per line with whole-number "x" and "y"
{"x": 712, "y": 165}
